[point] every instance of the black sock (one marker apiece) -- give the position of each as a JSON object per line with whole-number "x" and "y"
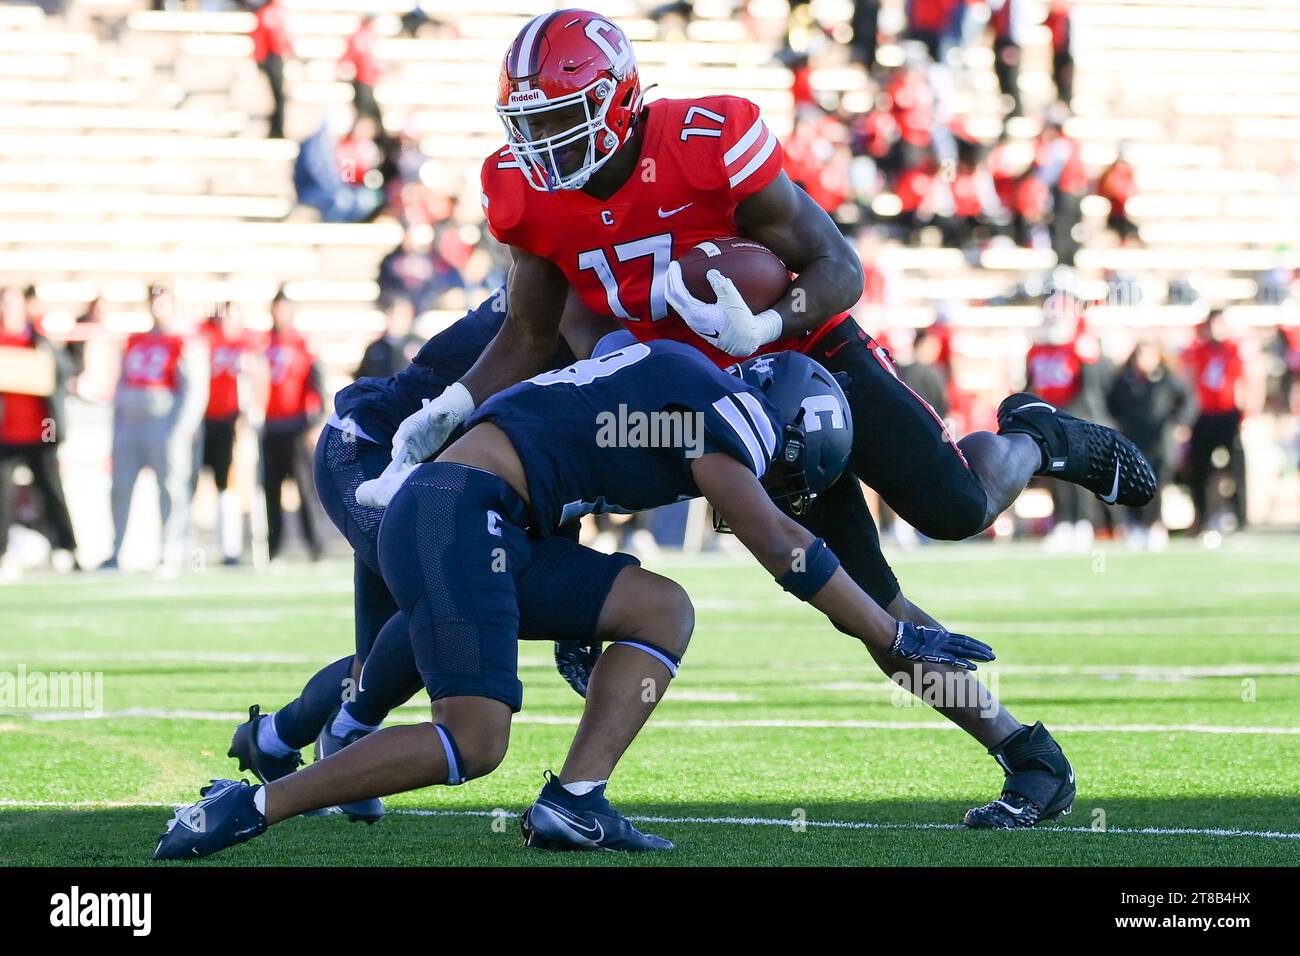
{"x": 301, "y": 720}
{"x": 390, "y": 677}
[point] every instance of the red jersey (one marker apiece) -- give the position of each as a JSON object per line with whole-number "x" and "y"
{"x": 225, "y": 362}
{"x": 1216, "y": 367}
{"x": 152, "y": 360}
{"x": 700, "y": 158}
{"x": 1054, "y": 372}
{"x": 293, "y": 392}
{"x": 360, "y": 53}
{"x": 22, "y": 417}
{"x": 269, "y": 34}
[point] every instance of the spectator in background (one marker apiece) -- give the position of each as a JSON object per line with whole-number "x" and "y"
{"x": 271, "y": 47}
{"x": 866, "y": 28}
{"x": 928, "y": 21}
{"x": 1062, "y": 30}
{"x": 157, "y": 411}
{"x": 1058, "y": 163}
{"x": 1214, "y": 364}
{"x": 394, "y": 350}
{"x": 30, "y": 429}
{"x": 1009, "y": 28}
{"x": 34, "y": 309}
{"x": 75, "y": 349}
{"x": 293, "y": 406}
{"x": 1055, "y": 370}
{"x": 227, "y": 390}
{"x": 926, "y": 374}
{"x": 360, "y": 65}
{"x": 1117, "y": 186}
{"x": 320, "y": 180}
{"x": 409, "y": 270}
{"x": 1148, "y": 402}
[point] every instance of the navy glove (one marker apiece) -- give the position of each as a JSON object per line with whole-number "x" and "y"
{"x": 575, "y": 662}
{"x": 919, "y": 643}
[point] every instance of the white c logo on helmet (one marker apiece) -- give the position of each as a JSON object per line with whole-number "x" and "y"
{"x": 814, "y": 405}
{"x": 612, "y": 43}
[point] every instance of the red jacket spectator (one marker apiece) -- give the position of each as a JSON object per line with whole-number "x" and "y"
{"x": 1216, "y": 368}
{"x": 152, "y": 360}
{"x": 295, "y": 391}
{"x": 360, "y": 54}
{"x": 226, "y": 358}
{"x": 1060, "y": 163}
{"x": 23, "y": 418}
{"x": 913, "y": 105}
{"x": 1118, "y": 185}
{"x": 1054, "y": 372}
{"x": 269, "y": 33}
{"x": 930, "y": 16}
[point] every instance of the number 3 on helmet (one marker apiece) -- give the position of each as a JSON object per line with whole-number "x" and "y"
{"x": 569, "y": 96}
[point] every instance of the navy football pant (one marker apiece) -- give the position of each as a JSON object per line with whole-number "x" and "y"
{"x": 467, "y": 576}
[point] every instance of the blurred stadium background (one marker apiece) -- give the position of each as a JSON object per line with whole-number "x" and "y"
{"x": 1140, "y": 158}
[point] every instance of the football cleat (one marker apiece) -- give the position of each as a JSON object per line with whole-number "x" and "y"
{"x": 327, "y": 744}
{"x": 1081, "y": 452}
{"x": 560, "y": 821}
{"x": 575, "y": 661}
{"x": 226, "y": 815}
{"x": 264, "y": 766}
{"x": 1039, "y": 785}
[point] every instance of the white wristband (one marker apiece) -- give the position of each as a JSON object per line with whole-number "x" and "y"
{"x": 769, "y": 325}
{"x": 458, "y": 401}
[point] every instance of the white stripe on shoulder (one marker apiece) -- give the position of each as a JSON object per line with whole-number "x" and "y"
{"x": 760, "y": 418}
{"x": 743, "y": 144}
{"x": 733, "y": 416}
{"x": 759, "y": 159}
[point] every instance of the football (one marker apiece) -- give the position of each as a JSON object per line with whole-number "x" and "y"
{"x": 759, "y": 275}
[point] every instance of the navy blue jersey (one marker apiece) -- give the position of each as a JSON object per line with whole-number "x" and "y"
{"x": 618, "y": 433}
{"x": 378, "y": 405}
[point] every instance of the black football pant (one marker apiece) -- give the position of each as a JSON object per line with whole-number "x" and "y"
{"x": 1214, "y": 430}
{"x": 902, "y": 450}
{"x": 285, "y": 456}
{"x": 42, "y": 461}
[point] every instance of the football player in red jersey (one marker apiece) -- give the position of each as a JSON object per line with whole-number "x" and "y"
{"x": 157, "y": 408}
{"x": 228, "y": 392}
{"x": 1214, "y": 365}
{"x": 596, "y": 193}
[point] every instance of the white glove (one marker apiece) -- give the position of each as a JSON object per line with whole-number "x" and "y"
{"x": 378, "y": 492}
{"x": 728, "y": 323}
{"x": 419, "y": 436}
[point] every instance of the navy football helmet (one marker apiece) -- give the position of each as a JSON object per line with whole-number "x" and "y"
{"x": 818, "y": 433}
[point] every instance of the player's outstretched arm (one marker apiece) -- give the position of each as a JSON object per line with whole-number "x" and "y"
{"x": 522, "y": 347}
{"x": 828, "y": 273}
{"x": 804, "y": 566}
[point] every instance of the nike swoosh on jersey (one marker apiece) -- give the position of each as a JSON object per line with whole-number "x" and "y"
{"x": 1114, "y": 488}
{"x": 673, "y": 212}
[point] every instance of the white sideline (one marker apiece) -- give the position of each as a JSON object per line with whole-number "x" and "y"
{"x": 714, "y": 821}
{"x": 137, "y": 713}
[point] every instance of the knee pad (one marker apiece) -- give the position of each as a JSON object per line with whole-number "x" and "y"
{"x": 663, "y": 656}
{"x": 455, "y": 766}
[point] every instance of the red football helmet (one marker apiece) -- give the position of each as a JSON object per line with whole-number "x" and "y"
{"x": 569, "y": 83}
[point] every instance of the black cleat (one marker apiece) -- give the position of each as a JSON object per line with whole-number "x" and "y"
{"x": 226, "y": 815}
{"x": 560, "y": 821}
{"x": 1039, "y": 784}
{"x": 1081, "y": 452}
{"x": 264, "y": 766}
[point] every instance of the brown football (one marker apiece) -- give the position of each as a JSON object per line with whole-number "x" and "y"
{"x": 759, "y": 275}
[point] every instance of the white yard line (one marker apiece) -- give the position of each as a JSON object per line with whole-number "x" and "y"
{"x": 158, "y": 713}
{"x": 713, "y": 821}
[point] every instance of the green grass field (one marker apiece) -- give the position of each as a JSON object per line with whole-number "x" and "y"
{"x": 1172, "y": 681}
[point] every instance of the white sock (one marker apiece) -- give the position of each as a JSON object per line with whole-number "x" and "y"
{"x": 345, "y": 723}
{"x": 259, "y": 800}
{"x": 230, "y": 523}
{"x": 269, "y": 740}
{"x": 580, "y": 788}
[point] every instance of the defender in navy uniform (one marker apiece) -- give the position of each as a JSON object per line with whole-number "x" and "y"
{"x": 634, "y": 429}
{"x": 340, "y": 704}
